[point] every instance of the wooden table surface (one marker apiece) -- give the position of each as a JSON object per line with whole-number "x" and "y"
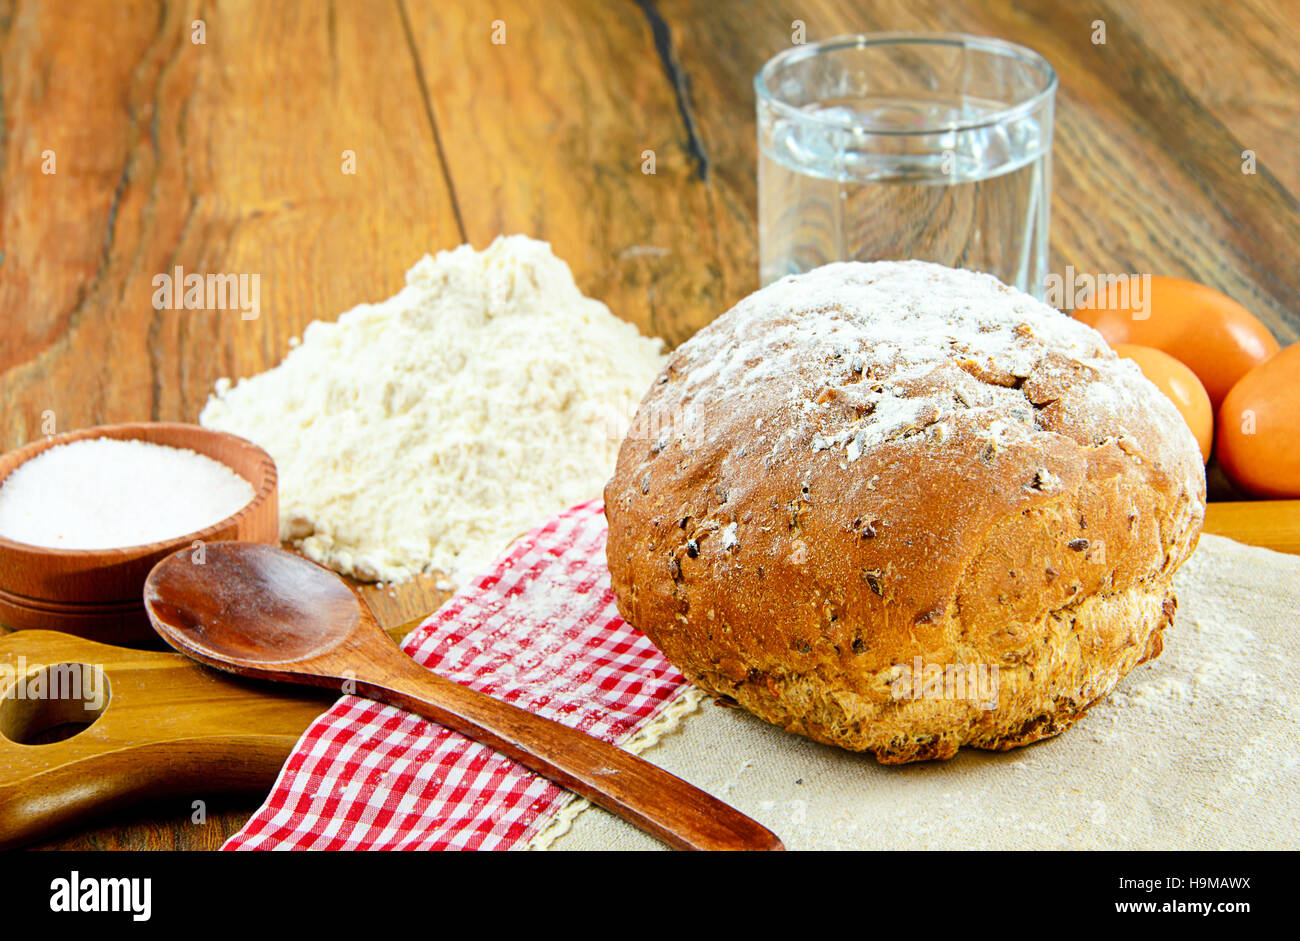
{"x": 230, "y": 156}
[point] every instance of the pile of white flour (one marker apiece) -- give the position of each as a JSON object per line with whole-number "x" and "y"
{"x": 428, "y": 431}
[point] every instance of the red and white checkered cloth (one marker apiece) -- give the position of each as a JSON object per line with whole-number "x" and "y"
{"x": 540, "y": 631}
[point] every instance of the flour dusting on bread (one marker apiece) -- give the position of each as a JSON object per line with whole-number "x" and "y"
{"x": 880, "y": 341}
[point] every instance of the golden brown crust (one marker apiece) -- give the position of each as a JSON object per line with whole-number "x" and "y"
{"x": 807, "y": 504}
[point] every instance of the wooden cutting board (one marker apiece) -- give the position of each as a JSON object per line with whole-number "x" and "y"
{"x": 167, "y": 727}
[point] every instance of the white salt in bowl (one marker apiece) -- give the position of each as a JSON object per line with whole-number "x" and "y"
{"x": 99, "y": 593}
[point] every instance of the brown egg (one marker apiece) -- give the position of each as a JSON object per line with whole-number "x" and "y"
{"x": 1207, "y": 331}
{"x": 1180, "y": 386}
{"x": 1259, "y": 428}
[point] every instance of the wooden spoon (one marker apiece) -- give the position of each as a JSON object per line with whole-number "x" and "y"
{"x": 259, "y": 611}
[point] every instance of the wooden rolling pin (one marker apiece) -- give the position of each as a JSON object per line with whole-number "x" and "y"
{"x": 1273, "y": 524}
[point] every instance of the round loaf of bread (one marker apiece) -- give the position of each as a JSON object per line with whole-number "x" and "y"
{"x": 902, "y": 508}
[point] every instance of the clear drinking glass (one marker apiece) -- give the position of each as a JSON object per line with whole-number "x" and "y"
{"x": 934, "y": 146}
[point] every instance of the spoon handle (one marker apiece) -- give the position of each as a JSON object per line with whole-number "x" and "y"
{"x": 659, "y": 803}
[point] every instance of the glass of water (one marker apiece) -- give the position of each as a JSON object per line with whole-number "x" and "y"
{"x": 906, "y": 145}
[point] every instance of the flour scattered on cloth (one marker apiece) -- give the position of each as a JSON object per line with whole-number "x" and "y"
{"x": 429, "y": 430}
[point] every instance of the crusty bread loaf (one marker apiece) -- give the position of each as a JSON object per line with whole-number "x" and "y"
{"x": 876, "y": 471}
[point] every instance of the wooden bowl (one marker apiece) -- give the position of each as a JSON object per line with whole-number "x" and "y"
{"x": 98, "y": 593}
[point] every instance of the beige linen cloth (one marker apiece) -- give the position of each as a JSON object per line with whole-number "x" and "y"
{"x": 1199, "y": 749}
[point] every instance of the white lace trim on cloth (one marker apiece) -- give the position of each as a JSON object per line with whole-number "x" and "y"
{"x": 667, "y": 720}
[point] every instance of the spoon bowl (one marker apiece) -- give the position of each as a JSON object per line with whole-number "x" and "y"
{"x": 237, "y": 604}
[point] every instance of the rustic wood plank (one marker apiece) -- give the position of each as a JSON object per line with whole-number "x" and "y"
{"x": 71, "y": 110}
{"x": 226, "y": 157}
{"x": 545, "y": 134}
{"x": 1244, "y": 65}
{"x": 223, "y": 157}
{"x": 166, "y": 825}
